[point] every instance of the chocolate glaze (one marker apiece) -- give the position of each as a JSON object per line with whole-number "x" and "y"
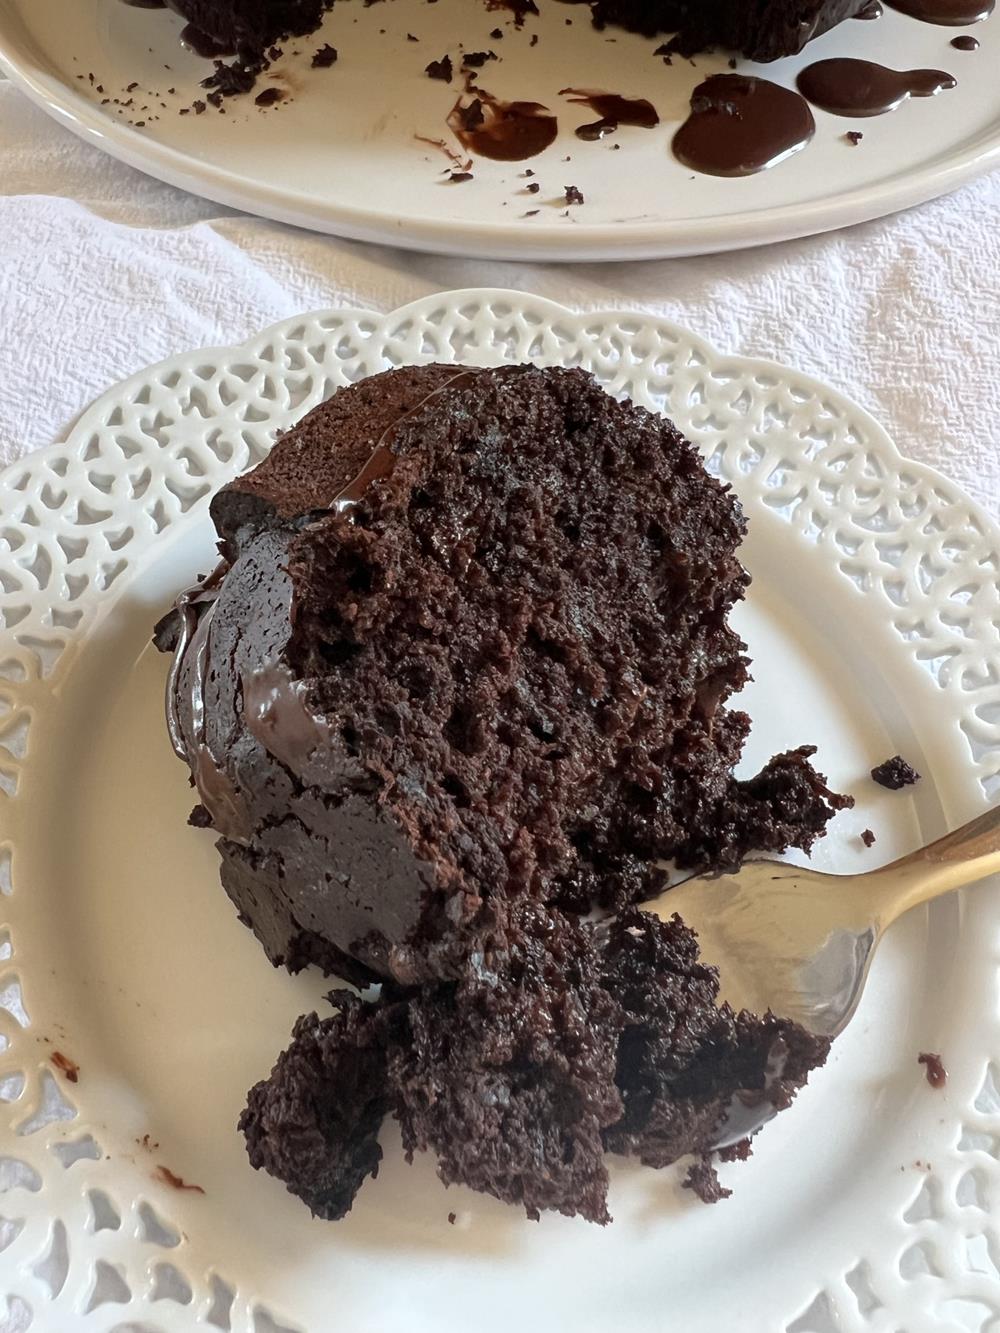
{"x": 186, "y": 608}
{"x": 382, "y": 460}
{"x": 613, "y": 110}
{"x": 872, "y": 9}
{"x": 740, "y": 124}
{"x": 276, "y": 710}
{"x": 849, "y": 87}
{"x": 965, "y": 43}
{"x": 946, "y": 13}
{"x": 504, "y": 131}
{"x": 218, "y": 795}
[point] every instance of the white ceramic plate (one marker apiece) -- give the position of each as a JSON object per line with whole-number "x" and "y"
{"x": 872, "y": 622}
{"x": 342, "y": 156}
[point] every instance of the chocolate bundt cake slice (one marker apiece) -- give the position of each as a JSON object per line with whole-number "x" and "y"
{"x": 460, "y": 679}
{"x": 470, "y": 646}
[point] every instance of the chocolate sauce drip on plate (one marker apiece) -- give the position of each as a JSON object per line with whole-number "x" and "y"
{"x": 965, "y": 43}
{"x": 504, "y": 131}
{"x": 947, "y": 13}
{"x": 849, "y": 87}
{"x": 613, "y": 110}
{"x": 740, "y": 124}
{"x": 872, "y": 9}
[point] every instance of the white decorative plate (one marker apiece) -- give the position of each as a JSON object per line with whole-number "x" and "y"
{"x": 873, "y": 624}
{"x": 342, "y": 155}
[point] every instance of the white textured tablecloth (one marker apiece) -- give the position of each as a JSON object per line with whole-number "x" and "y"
{"x": 104, "y": 270}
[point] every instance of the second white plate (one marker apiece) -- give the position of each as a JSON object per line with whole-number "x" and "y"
{"x": 341, "y": 154}
{"x": 872, "y": 623}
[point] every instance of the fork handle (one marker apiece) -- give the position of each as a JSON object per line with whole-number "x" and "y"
{"x": 965, "y": 855}
{"x": 979, "y": 837}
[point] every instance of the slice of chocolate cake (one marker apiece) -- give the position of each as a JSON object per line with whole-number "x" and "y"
{"x": 460, "y": 679}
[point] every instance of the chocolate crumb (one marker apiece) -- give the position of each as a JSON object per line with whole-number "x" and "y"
{"x": 269, "y": 96}
{"x": 573, "y": 195}
{"x": 199, "y": 107}
{"x": 451, "y": 1218}
{"x": 440, "y": 69}
{"x": 531, "y": 213}
{"x": 854, "y": 136}
{"x": 410, "y": 37}
{"x": 532, "y": 187}
{"x": 703, "y": 1178}
{"x": 534, "y": 39}
{"x": 736, "y": 1152}
{"x": 937, "y": 1075}
{"x": 497, "y": 34}
{"x": 867, "y": 837}
{"x": 732, "y": 62}
{"x": 527, "y": 172}
{"x": 456, "y": 177}
{"x": 325, "y": 57}
{"x": 67, "y": 1067}
{"x": 129, "y": 88}
{"x": 477, "y": 59}
{"x": 895, "y": 773}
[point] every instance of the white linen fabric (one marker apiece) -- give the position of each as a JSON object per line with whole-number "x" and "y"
{"x": 104, "y": 270}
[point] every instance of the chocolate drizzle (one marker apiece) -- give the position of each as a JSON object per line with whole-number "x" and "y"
{"x": 945, "y": 13}
{"x": 613, "y": 110}
{"x": 195, "y": 608}
{"x": 740, "y": 124}
{"x": 382, "y": 460}
{"x": 847, "y": 87}
{"x": 503, "y": 131}
{"x": 190, "y": 619}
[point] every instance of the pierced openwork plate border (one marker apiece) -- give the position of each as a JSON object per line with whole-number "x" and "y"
{"x": 79, "y": 518}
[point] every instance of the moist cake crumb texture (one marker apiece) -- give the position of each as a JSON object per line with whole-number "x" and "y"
{"x": 460, "y": 680}
{"x": 895, "y": 773}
